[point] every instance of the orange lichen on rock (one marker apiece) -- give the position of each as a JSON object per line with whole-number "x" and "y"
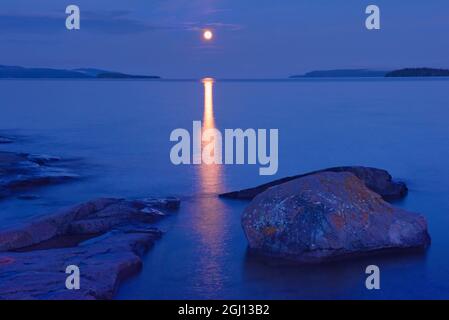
{"x": 338, "y": 220}
{"x": 365, "y": 217}
{"x": 269, "y": 231}
{"x": 6, "y": 260}
{"x": 341, "y": 217}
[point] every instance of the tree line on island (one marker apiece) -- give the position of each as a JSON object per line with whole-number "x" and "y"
{"x": 12, "y": 72}
{"x": 364, "y": 73}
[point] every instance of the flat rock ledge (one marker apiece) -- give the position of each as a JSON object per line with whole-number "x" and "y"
{"x": 21, "y": 172}
{"x": 377, "y": 180}
{"x": 328, "y": 216}
{"x": 105, "y": 238}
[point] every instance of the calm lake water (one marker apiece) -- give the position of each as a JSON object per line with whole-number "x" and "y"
{"x": 118, "y": 132}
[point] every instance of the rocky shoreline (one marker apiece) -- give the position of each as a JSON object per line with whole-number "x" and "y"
{"x": 326, "y": 215}
{"x": 105, "y": 238}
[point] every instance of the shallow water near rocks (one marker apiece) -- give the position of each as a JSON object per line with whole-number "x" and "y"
{"x": 119, "y": 133}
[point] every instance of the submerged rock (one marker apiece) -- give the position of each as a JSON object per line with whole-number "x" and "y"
{"x": 327, "y": 216}
{"x": 378, "y": 180}
{"x": 4, "y": 140}
{"x": 163, "y": 203}
{"x": 28, "y": 197}
{"x": 41, "y": 159}
{"x": 21, "y": 171}
{"x": 105, "y": 238}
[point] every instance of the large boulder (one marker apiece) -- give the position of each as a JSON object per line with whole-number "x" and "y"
{"x": 328, "y": 216}
{"x": 378, "y": 180}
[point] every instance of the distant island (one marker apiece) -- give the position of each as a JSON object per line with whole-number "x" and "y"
{"x": 364, "y": 73}
{"x": 15, "y": 72}
{"x": 418, "y": 72}
{"x": 339, "y": 73}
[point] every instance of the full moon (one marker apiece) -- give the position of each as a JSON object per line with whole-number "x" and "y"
{"x": 208, "y": 35}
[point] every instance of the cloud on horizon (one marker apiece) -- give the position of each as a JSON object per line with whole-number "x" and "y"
{"x": 110, "y": 22}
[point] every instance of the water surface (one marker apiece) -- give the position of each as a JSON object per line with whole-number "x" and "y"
{"x": 118, "y": 132}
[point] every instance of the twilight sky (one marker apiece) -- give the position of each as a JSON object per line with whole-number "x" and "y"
{"x": 253, "y": 38}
